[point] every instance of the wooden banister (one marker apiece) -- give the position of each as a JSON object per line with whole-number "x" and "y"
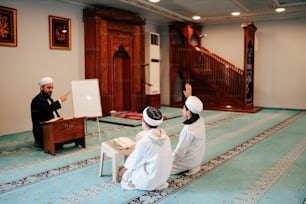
{"x": 207, "y": 69}
{"x": 219, "y": 83}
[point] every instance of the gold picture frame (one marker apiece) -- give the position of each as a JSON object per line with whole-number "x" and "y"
{"x": 60, "y": 33}
{"x": 8, "y": 26}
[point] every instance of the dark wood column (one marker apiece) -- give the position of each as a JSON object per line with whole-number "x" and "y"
{"x": 249, "y": 41}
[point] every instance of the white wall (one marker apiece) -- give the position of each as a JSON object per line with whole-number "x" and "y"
{"x": 23, "y": 66}
{"x": 280, "y": 62}
{"x": 226, "y": 40}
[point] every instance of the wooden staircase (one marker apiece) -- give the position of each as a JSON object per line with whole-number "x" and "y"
{"x": 220, "y": 84}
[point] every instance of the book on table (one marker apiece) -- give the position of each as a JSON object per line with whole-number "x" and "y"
{"x": 124, "y": 142}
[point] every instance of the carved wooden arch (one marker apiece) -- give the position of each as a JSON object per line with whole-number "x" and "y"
{"x": 124, "y": 41}
{"x": 106, "y": 29}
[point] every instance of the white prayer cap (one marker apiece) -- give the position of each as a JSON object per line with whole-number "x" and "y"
{"x": 152, "y": 116}
{"x": 194, "y": 104}
{"x": 45, "y": 80}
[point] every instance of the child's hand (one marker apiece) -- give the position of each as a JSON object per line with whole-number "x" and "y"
{"x": 188, "y": 90}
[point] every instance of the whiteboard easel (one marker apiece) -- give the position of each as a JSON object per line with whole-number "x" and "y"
{"x": 86, "y": 99}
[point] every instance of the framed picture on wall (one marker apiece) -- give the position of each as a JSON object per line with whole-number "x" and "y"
{"x": 8, "y": 26}
{"x": 60, "y": 33}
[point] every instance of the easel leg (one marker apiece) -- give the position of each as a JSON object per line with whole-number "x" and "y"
{"x": 99, "y": 132}
{"x": 101, "y": 164}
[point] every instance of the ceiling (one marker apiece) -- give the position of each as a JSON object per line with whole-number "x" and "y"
{"x": 211, "y": 11}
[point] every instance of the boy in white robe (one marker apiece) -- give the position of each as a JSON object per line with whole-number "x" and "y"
{"x": 149, "y": 165}
{"x": 190, "y": 149}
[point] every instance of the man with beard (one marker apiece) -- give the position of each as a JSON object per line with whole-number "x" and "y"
{"x": 43, "y": 108}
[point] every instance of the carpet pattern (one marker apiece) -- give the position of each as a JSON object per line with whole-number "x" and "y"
{"x": 79, "y": 164}
{"x": 253, "y": 194}
{"x": 27, "y": 175}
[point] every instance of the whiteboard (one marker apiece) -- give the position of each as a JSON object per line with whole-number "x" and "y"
{"x": 86, "y": 98}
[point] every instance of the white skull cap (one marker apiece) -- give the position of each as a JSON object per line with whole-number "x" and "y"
{"x": 194, "y": 104}
{"x": 152, "y": 116}
{"x": 45, "y": 80}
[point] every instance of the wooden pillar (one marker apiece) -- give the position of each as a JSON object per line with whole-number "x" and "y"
{"x": 249, "y": 42}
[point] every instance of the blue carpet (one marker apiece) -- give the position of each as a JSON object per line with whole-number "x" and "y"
{"x": 250, "y": 158}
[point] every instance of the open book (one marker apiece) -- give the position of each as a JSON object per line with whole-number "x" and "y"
{"x": 124, "y": 142}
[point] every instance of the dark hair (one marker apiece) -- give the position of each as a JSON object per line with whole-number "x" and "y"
{"x": 186, "y": 107}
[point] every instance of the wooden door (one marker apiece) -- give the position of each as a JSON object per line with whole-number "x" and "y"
{"x": 121, "y": 80}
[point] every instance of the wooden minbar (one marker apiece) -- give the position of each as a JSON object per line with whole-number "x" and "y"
{"x": 62, "y": 131}
{"x": 217, "y": 82}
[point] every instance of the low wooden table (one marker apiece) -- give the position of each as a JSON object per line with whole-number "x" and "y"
{"x": 114, "y": 151}
{"x": 63, "y": 130}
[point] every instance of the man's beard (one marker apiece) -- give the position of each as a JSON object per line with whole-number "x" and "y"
{"x": 46, "y": 94}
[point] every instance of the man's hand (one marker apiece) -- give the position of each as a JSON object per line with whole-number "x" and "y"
{"x": 63, "y": 98}
{"x": 188, "y": 90}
